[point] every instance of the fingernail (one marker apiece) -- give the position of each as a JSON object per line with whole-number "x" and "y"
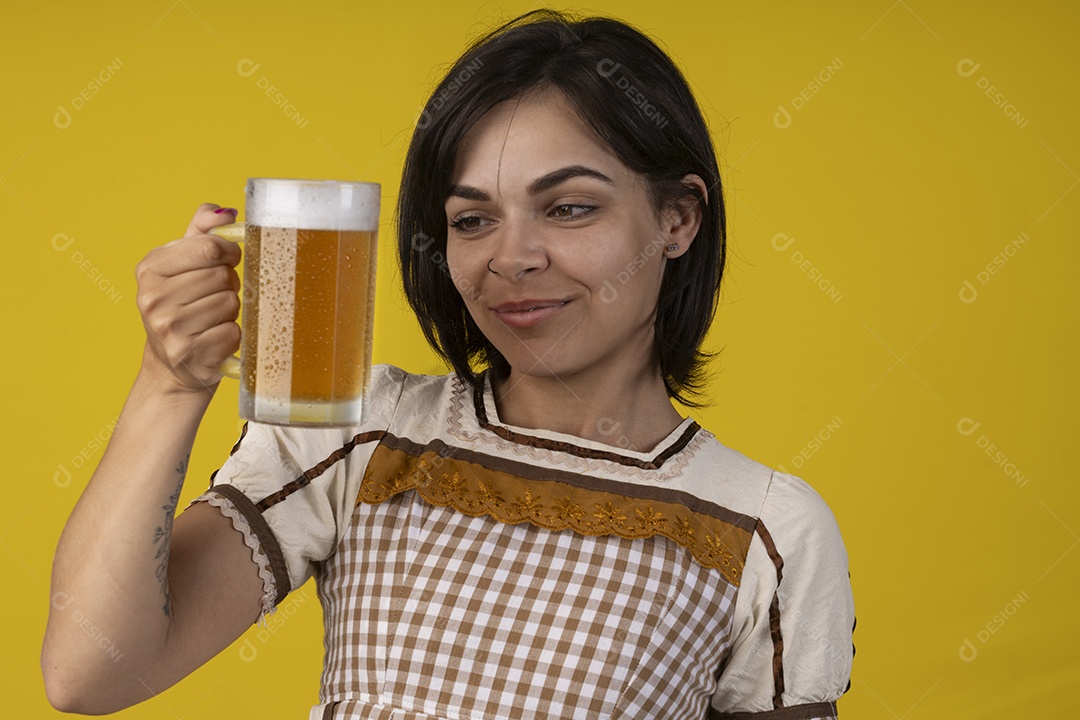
{"x": 221, "y": 210}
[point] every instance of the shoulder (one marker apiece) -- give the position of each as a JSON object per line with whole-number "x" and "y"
{"x": 794, "y": 611}
{"x": 786, "y": 510}
{"x": 792, "y": 504}
{"x": 728, "y": 477}
{"x": 391, "y": 380}
{"x": 419, "y": 386}
{"x": 803, "y": 531}
{"x": 397, "y": 396}
{"x": 393, "y": 390}
{"x": 801, "y": 549}
{"x": 773, "y": 497}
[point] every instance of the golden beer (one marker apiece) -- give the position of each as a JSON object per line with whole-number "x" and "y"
{"x": 308, "y": 306}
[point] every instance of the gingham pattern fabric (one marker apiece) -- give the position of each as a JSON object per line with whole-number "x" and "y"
{"x": 442, "y": 615}
{"x": 436, "y": 609}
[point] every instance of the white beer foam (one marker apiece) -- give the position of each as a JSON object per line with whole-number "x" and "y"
{"x": 312, "y": 204}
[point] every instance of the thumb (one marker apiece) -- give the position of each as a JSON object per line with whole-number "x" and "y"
{"x": 209, "y": 216}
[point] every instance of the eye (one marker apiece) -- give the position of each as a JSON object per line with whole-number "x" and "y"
{"x": 468, "y": 223}
{"x": 571, "y": 211}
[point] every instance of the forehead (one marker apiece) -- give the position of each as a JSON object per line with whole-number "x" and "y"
{"x": 523, "y": 138}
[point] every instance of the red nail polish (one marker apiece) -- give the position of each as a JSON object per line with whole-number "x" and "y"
{"x": 221, "y": 210}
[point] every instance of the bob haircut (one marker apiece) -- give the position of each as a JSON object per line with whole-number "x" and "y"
{"x": 634, "y": 97}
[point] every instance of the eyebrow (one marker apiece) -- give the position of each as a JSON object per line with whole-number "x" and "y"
{"x": 546, "y": 182}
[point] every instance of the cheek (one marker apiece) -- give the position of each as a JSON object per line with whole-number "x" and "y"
{"x": 466, "y": 270}
{"x": 634, "y": 278}
{"x": 635, "y": 263}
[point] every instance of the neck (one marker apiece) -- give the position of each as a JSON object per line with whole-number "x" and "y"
{"x": 627, "y": 410}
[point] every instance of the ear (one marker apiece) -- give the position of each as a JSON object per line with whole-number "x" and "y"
{"x": 682, "y": 220}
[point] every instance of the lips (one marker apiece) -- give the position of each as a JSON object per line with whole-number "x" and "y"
{"x": 527, "y": 313}
{"x": 527, "y": 305}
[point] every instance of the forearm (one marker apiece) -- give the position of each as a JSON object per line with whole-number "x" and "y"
{"x": 111, "y": 566}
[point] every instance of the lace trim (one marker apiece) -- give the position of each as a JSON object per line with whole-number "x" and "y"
{"x": 554, "y": 505}
{"x": 462, "y": 419}
{"x": 241, "y": 524}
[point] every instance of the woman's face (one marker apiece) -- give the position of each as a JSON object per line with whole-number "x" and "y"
{"x": 553, "y": 243}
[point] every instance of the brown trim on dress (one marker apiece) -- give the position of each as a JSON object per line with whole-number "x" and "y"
{"x": 308, "y": 475}
{"x": 557, "y": 446}
{"x": 262, "y": 531}
{"x": 854, "y": 622}
{"x": 328, "y": 711}
{"x": 795, "y": 712}
{"x": 243, "y": 434}
{"x": 774, "y": 618}
{"x": 585, "y": 482}
{"x": 603, "y": 509}
{"x": 235, "y": 447}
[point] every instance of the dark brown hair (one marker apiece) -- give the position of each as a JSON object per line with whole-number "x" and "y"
{"x": 635, "y": 98}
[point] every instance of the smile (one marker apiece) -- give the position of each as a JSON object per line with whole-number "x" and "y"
{"x": 520, "y": 315}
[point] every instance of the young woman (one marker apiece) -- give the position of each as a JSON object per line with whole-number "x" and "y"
{"x": 538, "y": 533}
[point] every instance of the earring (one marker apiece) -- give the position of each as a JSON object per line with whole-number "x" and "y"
{"x": 672, "y": 247}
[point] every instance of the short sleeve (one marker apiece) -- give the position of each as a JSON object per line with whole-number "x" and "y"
{"x": 794, "y": 615}
{"x": 290, "y": 491}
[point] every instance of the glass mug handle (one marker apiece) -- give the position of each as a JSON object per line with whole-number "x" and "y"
{"x": 233, "y": 233}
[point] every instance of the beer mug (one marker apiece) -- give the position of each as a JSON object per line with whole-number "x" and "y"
{"x": 308, "y": 301}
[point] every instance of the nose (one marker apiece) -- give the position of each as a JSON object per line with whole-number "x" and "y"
{"x": 518, "y": 250}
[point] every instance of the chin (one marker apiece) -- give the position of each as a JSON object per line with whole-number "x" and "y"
{"x": 547, "y": 367}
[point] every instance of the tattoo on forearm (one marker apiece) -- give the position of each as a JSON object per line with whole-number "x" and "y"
{"x": 163, "y": 533}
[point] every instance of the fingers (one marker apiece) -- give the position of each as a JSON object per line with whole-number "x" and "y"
{"x": 188, "y": 300}
{"x": 197, "y": 361}
{"x": 209, "y": 216}
{"x": 167, "y": 320}
{"x": 193, "y": 285}
{"x": 186, "y": 254}
{"x": 194, "y": 341}
{"x": 206, "y": 313}
{"x": 162, "y": 297}
{"x": 216, "y": 344}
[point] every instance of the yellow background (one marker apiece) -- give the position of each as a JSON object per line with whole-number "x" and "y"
{"x": 899, "y": 179}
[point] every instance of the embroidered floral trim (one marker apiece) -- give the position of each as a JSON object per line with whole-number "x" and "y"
{"x": 252, "y": 541}
{"x": 464, "y": 426}
{"x": 476, "y": 490}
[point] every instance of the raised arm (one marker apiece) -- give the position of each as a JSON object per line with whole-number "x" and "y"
{"x": 167, "y": 596}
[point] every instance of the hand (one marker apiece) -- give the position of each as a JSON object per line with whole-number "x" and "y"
{"x": 189, "y": 303}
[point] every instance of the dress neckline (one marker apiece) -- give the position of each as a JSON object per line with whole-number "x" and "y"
{"x": 487, "y": 416}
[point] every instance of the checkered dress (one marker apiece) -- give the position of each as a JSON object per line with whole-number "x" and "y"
{"x": 473, "y": 570}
